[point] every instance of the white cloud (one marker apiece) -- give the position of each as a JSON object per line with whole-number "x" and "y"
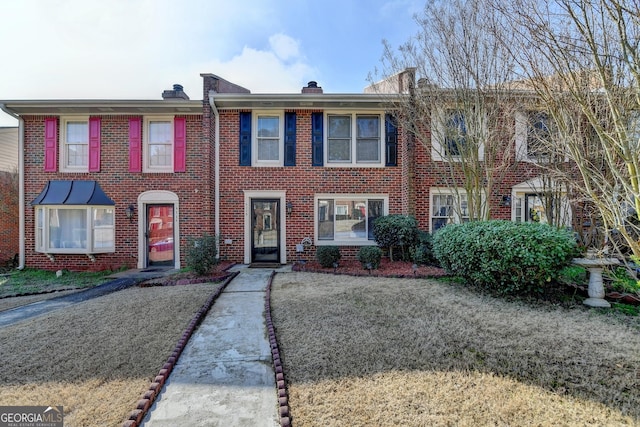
{"x": 284, "y": 46}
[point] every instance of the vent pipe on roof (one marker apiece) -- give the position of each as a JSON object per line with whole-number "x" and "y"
{"x": 312, "y": 87}
{"x": 176, "y": 93}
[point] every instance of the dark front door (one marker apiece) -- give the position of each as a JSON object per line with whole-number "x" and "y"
{"x": 160, "y": 245}
{"x": 265, "y": 230}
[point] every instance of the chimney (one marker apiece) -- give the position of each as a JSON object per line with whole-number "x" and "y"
{"x": 312, "y": 87}
{"x": 176, "y": 93}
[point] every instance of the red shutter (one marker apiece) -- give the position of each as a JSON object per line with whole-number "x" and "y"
{"x": 135, "y": 144}
{"x": 94, "y": 144}
{"x": 50, "y": 144}
{"x": 179, "y": 144}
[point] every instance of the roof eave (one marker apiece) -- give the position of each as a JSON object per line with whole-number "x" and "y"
{"x": 102, "y": 107}
{"x": 302, "y": 101}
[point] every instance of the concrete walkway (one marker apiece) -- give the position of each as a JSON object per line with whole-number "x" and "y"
{"x": 225, "y": 374}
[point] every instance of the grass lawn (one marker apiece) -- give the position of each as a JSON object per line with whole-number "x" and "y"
{"x": 363, "y": 351}
{"x": 96, "y": 358}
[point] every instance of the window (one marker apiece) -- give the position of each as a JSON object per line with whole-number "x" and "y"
{"x": 159, "y": 145}
{"x": 348, "y": 220}
{"x": 533, "y": 136}
{"x": 453, "y": 134}
{"x": 354, "y": 139}
{"x": 448, "y": 207}
{"x": 269, "y": 139}
{"x": 75, "y": 145}
{"x": 75, "y": 229}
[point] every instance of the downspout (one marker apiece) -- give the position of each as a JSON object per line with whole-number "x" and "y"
{"x": 21, "y": 245}
{"x": 216, "y": 168}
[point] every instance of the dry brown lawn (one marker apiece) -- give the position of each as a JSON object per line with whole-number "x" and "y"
{"x": 363, "y": 351}
{"x": 96, "y": 358}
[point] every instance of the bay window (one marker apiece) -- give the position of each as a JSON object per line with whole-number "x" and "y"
{"x": 75, "y": 229}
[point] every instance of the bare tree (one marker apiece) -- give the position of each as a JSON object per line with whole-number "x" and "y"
{"x": 581, "y": 58}
{"x": 460, "y": 109}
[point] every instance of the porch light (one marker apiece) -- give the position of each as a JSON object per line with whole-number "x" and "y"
{"x": 289, "y": 208}
{"x": 129, "y": 212}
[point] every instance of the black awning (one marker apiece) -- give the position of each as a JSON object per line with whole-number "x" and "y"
{"x": 73, "y": 193}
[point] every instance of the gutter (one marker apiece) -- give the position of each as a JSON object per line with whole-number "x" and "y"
{"x": 216, "y": 167}
{"x": 21, "y": 244}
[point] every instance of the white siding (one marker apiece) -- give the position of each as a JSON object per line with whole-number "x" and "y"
{"x": 9, "y": 149}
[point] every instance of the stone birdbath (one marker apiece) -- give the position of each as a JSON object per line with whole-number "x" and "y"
{"x": 596, "y": 288}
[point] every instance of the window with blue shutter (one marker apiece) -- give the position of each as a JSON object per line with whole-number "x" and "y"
{"x": 245, "y": 139}
{"x": 317, "y": 147}
{"x": 289, "y": 139}
{"x": 391, "y": 140}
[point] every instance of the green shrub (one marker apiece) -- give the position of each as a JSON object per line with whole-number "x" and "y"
{"x": 328, "y": 255}
{"x": 503, "y": 256}
{"x": 422, "y": 253}
{"x": 370, "y": 256}
{"x": 396, "y": 231}
{"x": 202, "y": 254}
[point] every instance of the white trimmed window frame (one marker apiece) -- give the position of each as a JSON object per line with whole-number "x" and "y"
{"x": 439, "y": 119}
{"x": 78, "y": 240}
{"x": 147, "y": 145}
{"x": 353, "y": 161}
{"x": 64, "y": 145}
{"x": 458, "y": 211}
{"x": 355, "y": 241}
{"x": 255, "y": 139}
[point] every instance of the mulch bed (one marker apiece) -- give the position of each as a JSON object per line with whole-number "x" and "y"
{"x": 218, "y": 274}
{"x": 387, "y": 269}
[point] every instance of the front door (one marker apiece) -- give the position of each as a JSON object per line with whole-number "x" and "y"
{"x": 160, "y": 235}
{"x": 265, "y": 230}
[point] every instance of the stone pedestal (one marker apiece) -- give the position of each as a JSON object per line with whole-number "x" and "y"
{"x": 596, "y": 289}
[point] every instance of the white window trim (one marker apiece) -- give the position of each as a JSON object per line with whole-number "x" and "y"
{"x": 354, "y": 163}
{"x": 63, "y": 144}
{"x": 535, "y": 186}
{"x": 456, "y": 193}
{"x": 254, "y": 139}
{"x": 438, "y": 132}
{"x": 282, "y": 198}
{"x": 334, "y": 196}
{"x": 44, "y": 248}
{"x": 157, "y": 197}
{"x": 146, "y": 157}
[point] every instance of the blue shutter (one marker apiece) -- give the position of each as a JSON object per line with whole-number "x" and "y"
{"x": 245, "y": 139}
{"x": 391, "y": 140}
{"x": 289, "y": 139}
{"x": 317, "y": 139}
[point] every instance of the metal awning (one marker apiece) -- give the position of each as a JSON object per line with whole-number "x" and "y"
{"x": 73, "y": 193}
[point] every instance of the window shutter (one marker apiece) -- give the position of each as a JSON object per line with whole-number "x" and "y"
{"x": 50, "y": 144}
{"x": 245, "y": 139}
{"x": 135, "y": 144}
{"x": 289, "y": 139}
{"x": 391, "y": 140}
{"x": 94, "y": 144}
{"x": 317, "y": 140}
{"x": 179, "y": 144}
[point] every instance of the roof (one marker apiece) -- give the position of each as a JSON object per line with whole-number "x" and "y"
{"x": 302, "y": 100}
{"x": 101, "y": 107}
{"x": 73, "y": 193}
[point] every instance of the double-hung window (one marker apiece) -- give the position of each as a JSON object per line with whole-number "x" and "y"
{"x": 348, "y": 219}
{"x": 158, "y": 154}
{"x": 448, "y": 207}
{"x": 455, "y": 137}
{"x": 75, "y": 229}
{"x": 268, "y": 143}
{"x": 354, "y": 139}
{"x": 533, "y": 136}
{"x": 75, "y": 145}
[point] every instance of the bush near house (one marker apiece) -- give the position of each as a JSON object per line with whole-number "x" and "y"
{"x": 369, "y": 257}
{"x": 202, "y": 254}
{"x": 396, "y": 232}
{"x": 327, "y": 256}
{"x": 503, "y": 256}
{"x": 422, "y": 253}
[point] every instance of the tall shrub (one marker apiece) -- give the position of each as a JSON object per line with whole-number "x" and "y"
{"x": 396, "y": 232}
{"x": 202, "y": 254}
{"x": 503, "y": 256}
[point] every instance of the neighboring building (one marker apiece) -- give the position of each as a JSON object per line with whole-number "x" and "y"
{"x": 9, "y": 212}
{"x": 112, "y": 183}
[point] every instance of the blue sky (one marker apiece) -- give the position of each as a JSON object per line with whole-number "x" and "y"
{"x": 135, "y": 49}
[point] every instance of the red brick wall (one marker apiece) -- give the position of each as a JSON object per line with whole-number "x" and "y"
{"x": 301, "y": 183}
{"x": 9, "y": 231}
{"x": 192, "y": 187}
